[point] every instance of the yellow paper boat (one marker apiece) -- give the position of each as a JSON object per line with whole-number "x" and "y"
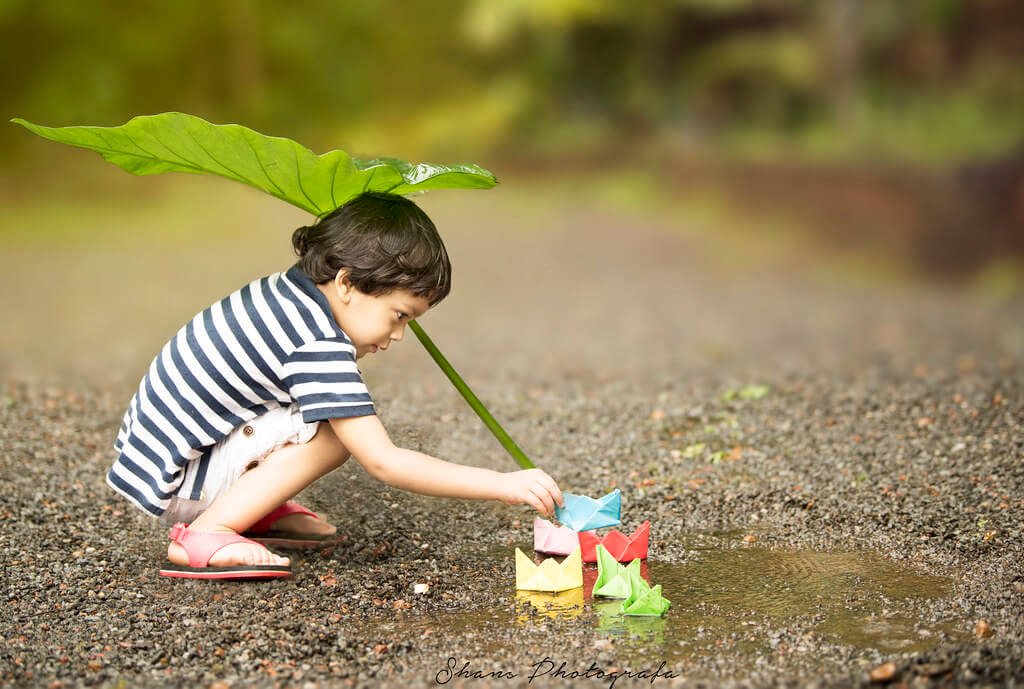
{"x": 549, "y": 575}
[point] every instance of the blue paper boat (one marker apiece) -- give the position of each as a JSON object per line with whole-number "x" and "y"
{"x": 582, "y": 513}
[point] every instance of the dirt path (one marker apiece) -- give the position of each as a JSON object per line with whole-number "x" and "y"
{"x": 834, "y": 474}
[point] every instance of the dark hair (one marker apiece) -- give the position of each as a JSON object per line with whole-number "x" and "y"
{"x": 384, "y": 241}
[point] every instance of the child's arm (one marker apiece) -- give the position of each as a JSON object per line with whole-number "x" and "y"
{"x": 369, "y": 443}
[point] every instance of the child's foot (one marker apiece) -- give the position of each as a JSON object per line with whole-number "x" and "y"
{"x": 230, "y": 555}
{"x": 305, "y": 524}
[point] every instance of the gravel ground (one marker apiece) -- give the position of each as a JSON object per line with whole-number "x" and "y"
{"x": 808, "y": 452}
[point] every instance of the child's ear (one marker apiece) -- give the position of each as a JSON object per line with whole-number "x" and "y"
{"x": 343, "y": 286}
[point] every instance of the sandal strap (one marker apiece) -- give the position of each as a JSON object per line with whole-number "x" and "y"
{"x": 289, "y": 507}
{"x": 200, "y": 546}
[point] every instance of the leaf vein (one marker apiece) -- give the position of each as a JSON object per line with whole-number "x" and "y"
{"x": 298, "y": 179}
{"x": 238, "y": 176}
{"x": 334, "y": 178}
{"x": 103, "y": 137}
{"x": 262, "y": 167}
{"x": 153, "y": 156}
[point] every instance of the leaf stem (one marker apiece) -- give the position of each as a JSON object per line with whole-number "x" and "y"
{"x": 470, "y": 398}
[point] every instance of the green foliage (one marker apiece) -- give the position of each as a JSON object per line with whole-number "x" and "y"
{"x": 695, "y": 450}
{"x": 922, "y": 80}
{"x": 176, "y": 142}
{"x": 750, "y": 392}
{"x": 776, "y": 61}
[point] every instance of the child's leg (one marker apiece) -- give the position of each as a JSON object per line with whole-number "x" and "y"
{"x": 257, "y": 492}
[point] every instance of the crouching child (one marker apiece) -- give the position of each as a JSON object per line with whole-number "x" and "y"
{"x": 259, "y": 395}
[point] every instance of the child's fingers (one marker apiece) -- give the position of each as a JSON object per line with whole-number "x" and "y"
{"x": 534, "y": 497}
{"x": 555, "y": 492}
{"x": 534, "y": 501}
{"x": 542, "y": 493}
{"x": 538, "y": 491}
{"x": 551, "y": 487}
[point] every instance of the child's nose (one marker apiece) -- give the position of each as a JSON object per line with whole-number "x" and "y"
{"x": 398, "y": 333}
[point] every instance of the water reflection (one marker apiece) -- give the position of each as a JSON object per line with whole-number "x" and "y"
{"x": 610, "y": 619}
{"x": 562, "y": 605}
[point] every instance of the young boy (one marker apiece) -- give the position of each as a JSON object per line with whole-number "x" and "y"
{"x": 259, "y": 395}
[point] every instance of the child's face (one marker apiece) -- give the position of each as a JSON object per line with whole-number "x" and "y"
{"x": 374, "y": 322}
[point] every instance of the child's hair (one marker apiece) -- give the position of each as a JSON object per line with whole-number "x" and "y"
{"x": 384, "y": 242}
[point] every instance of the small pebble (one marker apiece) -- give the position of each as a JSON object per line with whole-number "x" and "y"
{"x": 883, "y": 673}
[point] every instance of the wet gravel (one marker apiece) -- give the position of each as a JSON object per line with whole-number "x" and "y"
{"x": 755, "y": 409}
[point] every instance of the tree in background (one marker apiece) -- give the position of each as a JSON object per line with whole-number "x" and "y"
{"x": 921, "y": 79}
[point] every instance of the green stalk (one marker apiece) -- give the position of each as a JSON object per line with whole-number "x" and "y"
{"x": 472, "y": 399}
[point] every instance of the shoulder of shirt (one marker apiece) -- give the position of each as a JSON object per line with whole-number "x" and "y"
{"x": 329, "y": 329}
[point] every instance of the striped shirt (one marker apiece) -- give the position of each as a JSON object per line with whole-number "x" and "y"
{"x": 270, "y": 344}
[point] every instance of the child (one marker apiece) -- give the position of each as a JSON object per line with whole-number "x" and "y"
{"x": 259, "y": 395}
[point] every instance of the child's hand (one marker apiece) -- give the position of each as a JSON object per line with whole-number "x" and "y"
{"x": 532, "y": 486}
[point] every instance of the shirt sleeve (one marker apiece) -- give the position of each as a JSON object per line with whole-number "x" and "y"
{"x": 323, "y": 379}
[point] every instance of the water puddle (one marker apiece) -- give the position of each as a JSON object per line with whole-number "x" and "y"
{"x": 734, "y": 600}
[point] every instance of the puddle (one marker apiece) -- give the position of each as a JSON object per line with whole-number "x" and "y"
{"x": 859, "y": 599}
{"x": 734, "y": 601}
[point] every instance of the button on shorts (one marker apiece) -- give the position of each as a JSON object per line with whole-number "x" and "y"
{"x": 241, "y": 449}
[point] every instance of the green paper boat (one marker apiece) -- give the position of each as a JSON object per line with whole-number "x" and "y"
{"x": 613, "y": 578}
{"x": 643, "y": 599}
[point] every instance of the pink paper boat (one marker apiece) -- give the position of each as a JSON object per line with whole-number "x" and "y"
{"x": 622, "y": 548}
{"x": 554, "y": 540}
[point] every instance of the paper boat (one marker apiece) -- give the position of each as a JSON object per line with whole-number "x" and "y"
{"x": 582, "y": 513}
{"x": 550, "y": 575}
{"x": 613, "y": 580}
{"x": 552, "y": 539}
{"x": 623, "y": 548}
{"x": 643, "y": 599}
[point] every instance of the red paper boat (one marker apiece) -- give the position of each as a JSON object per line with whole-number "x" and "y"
{"x": 622, "y": 548}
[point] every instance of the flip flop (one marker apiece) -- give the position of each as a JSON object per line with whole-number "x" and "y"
{"x": 263, "y": 532}
{"x": 201, "y": 546}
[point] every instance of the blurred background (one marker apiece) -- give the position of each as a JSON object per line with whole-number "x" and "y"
{"x": 874, "y": 141}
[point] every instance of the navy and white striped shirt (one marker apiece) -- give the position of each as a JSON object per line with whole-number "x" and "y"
{"x": 270, "y": 344}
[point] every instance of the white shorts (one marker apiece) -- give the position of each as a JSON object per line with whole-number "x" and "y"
{"x": 241, "y": 449}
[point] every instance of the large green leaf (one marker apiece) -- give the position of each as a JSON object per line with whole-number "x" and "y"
{"x": 176, "y": 142}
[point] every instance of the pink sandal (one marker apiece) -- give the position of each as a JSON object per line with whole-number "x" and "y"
{"x": 201, "y": 546}
{"x": 264, "y": 532}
